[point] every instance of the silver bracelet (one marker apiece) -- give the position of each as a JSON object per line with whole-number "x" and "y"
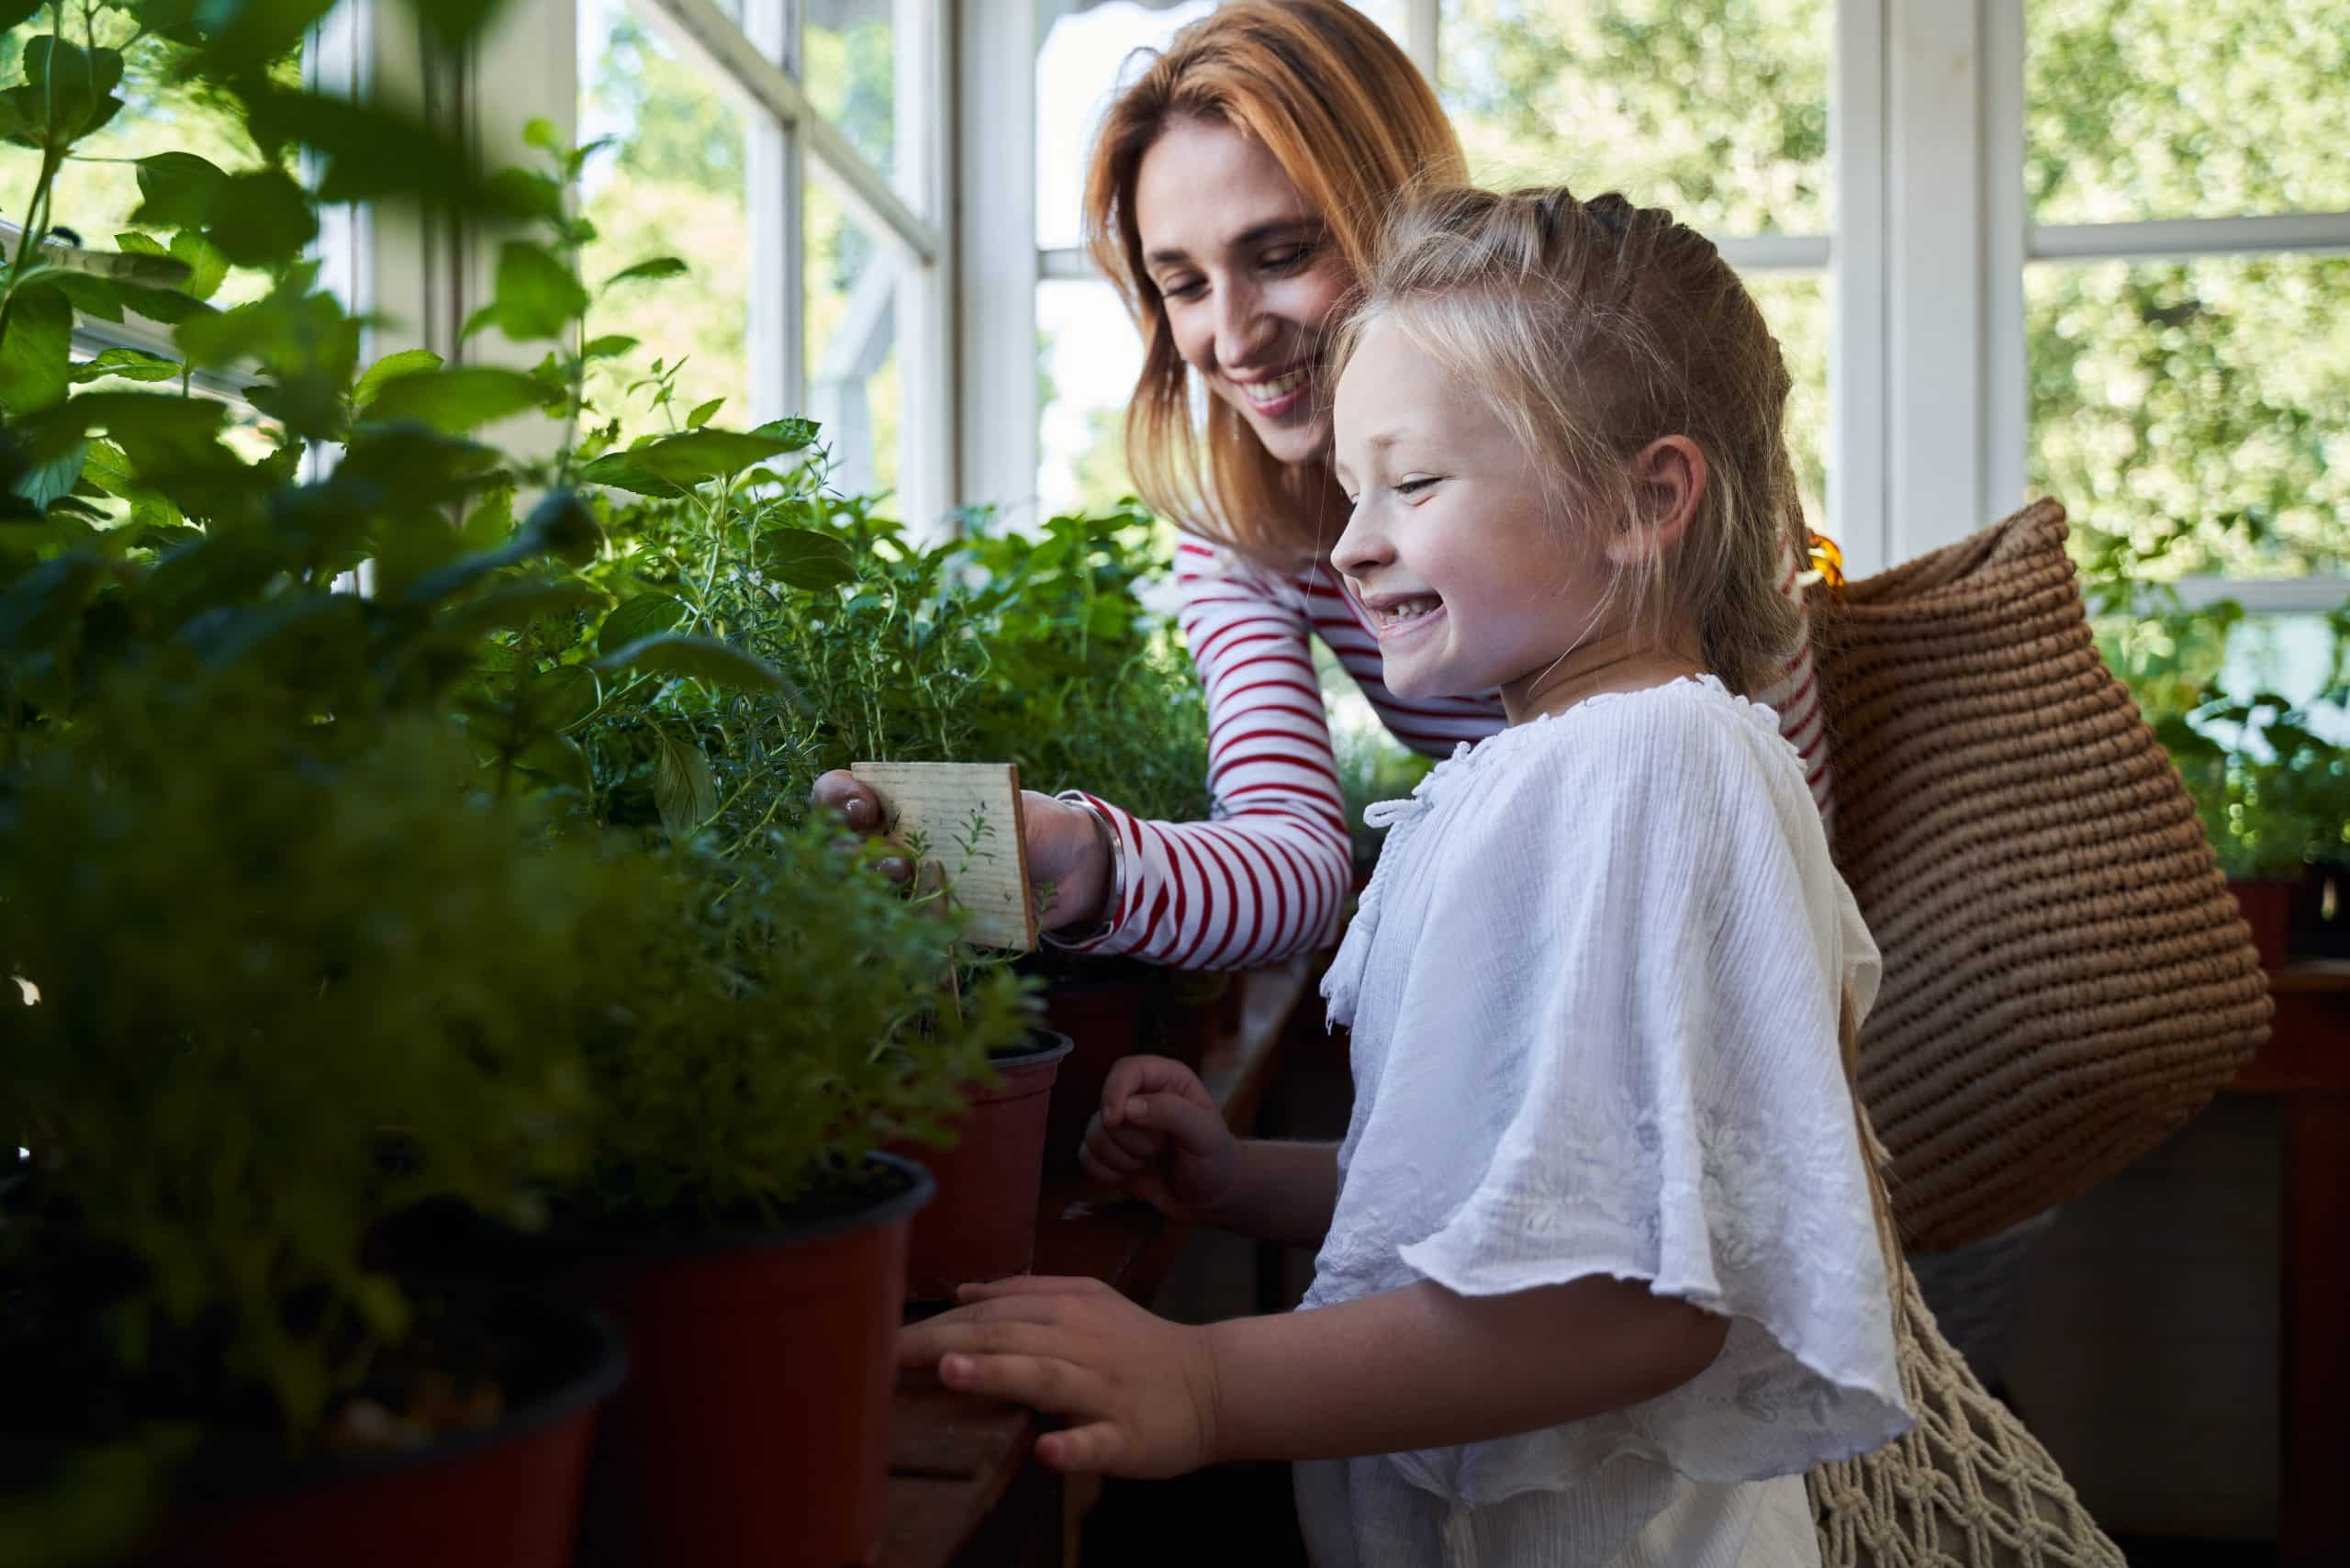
{"x": 1114, "y": 899}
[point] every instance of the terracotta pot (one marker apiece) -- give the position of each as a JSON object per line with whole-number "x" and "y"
{"x": 2268, "y": 904}
{"x": 1103, "y": 1022}
{"x": 983, "y": 1224}
{"x": 505, "y": 1497}
{"x": 756, "y": 1426}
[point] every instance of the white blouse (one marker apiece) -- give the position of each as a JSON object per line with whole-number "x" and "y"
{"x": 1594, "y": 989}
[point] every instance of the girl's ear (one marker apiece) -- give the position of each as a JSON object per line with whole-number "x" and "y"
{"x": 1669, "y": 478}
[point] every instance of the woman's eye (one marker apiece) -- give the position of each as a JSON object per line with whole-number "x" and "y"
{"x": 1289, "y": 259}
{"x": 1190, "y": 288}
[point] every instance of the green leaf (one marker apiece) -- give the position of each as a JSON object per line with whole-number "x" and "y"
{"x": 563, "y": 523}
{"x": 391, "y": 367}
{"x": 634, "y": 620}
{"x": 518, "y": 605}
{"x": 36, "y": 355}
{"x": 701, "y": 658}
{"x": 683, "y": 789}
{"x": 537, "y": 295}
{"x": 14, "y": 11}
{"x": 455, "y": 400}
{"x": 207, "y": 268}
{"x": 39, "y": 604}
{"x": 795, "y": 433}
{"x": 703, "y": 412}
{"x": 616, "y": 470}
{"x": 50, "y": 478}
{"x": 806, "y": 559}
{"x": 559, "y": 758}
{"x": 262, "y": 217}
{"x": 655, "y": 267}
{"x": 609, "y": 346}
{"x": 98, "y": 297}
{"x": 128, "y": 365}
{"x": 695, "y": 456}
{"x": 562, "y": 697}
{"x": 179, "y": 190}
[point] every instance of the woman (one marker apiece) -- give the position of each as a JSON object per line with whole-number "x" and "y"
{"x": 1234, "y": 195}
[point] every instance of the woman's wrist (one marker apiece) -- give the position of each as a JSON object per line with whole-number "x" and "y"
{"x": 1087, "y": 896}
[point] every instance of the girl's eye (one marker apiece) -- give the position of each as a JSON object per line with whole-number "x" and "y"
{"x": 1413, "y": 486}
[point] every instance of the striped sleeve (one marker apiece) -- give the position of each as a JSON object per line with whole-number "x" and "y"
{"x": 1267, "y": 876}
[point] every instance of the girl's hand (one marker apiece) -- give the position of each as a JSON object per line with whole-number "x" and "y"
{"x": 1140, "y": 1392}
{"x": 1161, "y": 1137}
{"x": 1066, "y": 847}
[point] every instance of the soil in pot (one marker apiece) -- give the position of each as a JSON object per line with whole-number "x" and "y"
{"x": 982, "y": 1226}
{"x": 755, "y": 1428}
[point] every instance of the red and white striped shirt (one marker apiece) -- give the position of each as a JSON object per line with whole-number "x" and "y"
{"x": 1267, "y": 876}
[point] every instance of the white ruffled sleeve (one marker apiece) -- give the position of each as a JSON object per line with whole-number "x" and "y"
{"x": 1637, "y": 919}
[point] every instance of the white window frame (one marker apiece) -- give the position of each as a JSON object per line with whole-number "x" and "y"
{"x": 426, "y": 282}
{"x": 1928, "y": 440}
{"x": 1929, "y": 378}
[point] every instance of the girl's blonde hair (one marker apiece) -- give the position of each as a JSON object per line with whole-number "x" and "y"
{"x": 1352, "y": 123}
{"x": 1595, "y": 328}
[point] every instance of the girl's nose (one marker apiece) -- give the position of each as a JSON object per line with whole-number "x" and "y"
{"x": 1364, "y": 547}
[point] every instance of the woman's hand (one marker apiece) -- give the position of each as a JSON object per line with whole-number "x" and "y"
{"x": 1068, "y": 851}
{"x": 1140, "y": 1392}
{"x": 1161, "y": 1137}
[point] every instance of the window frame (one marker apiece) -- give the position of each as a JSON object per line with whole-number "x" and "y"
{"x": 1928, "y": 434}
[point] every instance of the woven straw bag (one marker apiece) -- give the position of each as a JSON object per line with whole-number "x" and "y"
{"x": 2066, "y": 975}
{"x": 1966, "y": 1487}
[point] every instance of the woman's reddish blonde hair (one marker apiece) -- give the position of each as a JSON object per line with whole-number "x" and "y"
{"x": 1353, "y": 124}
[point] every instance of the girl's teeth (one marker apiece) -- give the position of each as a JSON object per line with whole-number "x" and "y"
{"x": 1408, "y": 609}
{"x": 1264, "y": 392}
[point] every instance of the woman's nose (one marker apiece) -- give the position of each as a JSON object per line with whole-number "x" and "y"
{"x": 1242, "y": 328}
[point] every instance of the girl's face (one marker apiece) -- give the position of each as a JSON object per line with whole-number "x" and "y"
{"x": 1451, "y": 548}
{"x": 1249, "y": 276}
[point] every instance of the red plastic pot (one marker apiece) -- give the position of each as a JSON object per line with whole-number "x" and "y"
{"x": 505, "y": 1497}
{"x": 2268, "y": 904}
{"x": 983, "y": 1224}
{"x": 1103, "y": 1022}
{"x": 755, "y": 1428}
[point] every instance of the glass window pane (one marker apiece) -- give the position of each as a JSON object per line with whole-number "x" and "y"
{"x": 672, "y": 184}
{"x": 1084, "y": 52}
{"x": 1714, "y": 109}
{"x": 1087, "y": 357}
{"x": 1797, "y": 307}
{"x": 849, "y": 71}
{"x": 2143, "y": 109}
{"x": 96, "y": 193}
{"x": 852, "y": 384}
{"x": 2194, "y": 417}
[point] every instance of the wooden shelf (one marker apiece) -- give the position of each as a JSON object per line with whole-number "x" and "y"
{"x": 952, "y": 1457}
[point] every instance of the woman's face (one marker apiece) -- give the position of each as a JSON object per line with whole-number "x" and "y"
{"x": 1248, "y": 274}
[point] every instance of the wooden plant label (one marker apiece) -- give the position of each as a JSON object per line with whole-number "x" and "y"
{"x": 965, "y": 820}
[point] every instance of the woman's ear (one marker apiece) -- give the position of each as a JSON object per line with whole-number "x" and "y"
{"x": 1669, "y": 478}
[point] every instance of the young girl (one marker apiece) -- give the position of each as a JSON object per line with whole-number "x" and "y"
{"x": 1602, "y": 1262}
